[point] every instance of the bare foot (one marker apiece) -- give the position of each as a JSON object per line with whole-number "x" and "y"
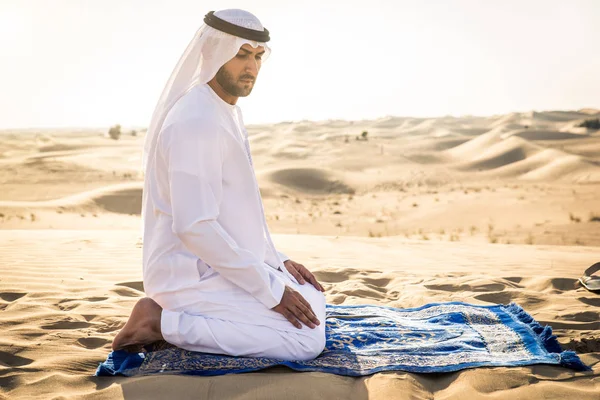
{"x": 143, "y": 326}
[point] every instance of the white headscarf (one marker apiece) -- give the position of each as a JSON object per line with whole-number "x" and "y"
{"x": 208, "y": 51}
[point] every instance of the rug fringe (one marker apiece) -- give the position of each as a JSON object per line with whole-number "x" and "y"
{"x": 568, "y": 359}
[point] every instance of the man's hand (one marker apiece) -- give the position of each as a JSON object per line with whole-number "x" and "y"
{"x": 295, "y": 308}
{"x": 302, "y": 274}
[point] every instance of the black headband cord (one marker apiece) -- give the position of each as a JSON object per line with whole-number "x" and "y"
{"x": 212, "y": 20}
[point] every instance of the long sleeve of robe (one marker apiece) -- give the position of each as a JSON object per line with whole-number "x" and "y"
{"x": 282, "y": 256}
{"x": 195, "y": 169}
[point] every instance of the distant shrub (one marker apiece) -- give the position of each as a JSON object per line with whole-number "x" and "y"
{"x": 590, "y": 123}
{"x": 594, "y": 217}
{"x": 363, "y": 136}
{"x": 115, "y": 132}
{"x": 133, "y": 132}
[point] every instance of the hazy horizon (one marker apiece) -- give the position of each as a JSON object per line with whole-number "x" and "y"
{"x": 142, "y": 126}
{"x": 95, "y": 64}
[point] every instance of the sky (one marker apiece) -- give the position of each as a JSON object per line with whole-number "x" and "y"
{"x": 80, "y": 63}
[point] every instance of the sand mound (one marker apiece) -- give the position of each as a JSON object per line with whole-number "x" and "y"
{"x": 528, "y": 164}
{"x": 444, "y": 143}
{"x": 555, "y": 116}
{"x": 570, "y": 167}
{"x": 506, "y": 152}
{"x": 310, "y": 180}
{"x": 546, "y": 135}
{"x": 550, "y": 165}
{"x": 61, "y": 147}
{"x": 389, "y": 122}
{"x": 470, "y": 131}
{"x": 471, "y": 149}
{"x": 123, "y": 198}
{"x": 589, "y": 148}
{"x": 510, "y": 121}
{"x": 589, "y": 111}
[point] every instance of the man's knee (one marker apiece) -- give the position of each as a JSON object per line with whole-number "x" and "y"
{"x": 311, "y": 345}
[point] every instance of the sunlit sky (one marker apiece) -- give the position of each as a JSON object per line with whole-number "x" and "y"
{"x": 100, "y": 62}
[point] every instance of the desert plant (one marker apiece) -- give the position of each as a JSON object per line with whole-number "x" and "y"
{"x": 115, "y": 132}
{"x": 363, "y": 136}
{"x": 594, "y": 217}
{"x": 590, "y": 124}
{"x": 529, "y": 239}
{"x": 573, "y": 218}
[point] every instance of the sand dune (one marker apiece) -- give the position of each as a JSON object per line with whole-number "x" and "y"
{"x": 500, "y": 154}
{"x": 546, "y": 135}
{"x": 475, "y": 146}
{"x": 589, "y": 111}
{"x": 479, "y": 209}
{"x": 123, "y": 198}
{"x": 574, "y": 168}
{"x": 311, "y": 181}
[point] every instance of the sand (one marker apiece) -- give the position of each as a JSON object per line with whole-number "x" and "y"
{"x": 478, "y": 209}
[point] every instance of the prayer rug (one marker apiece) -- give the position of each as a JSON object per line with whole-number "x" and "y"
{"x": 365, "y": 339}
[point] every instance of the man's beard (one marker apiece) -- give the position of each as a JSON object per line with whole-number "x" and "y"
{"x": 230, "y": 85}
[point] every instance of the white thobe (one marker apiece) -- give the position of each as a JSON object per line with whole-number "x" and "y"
{"x": 209, "y": 261}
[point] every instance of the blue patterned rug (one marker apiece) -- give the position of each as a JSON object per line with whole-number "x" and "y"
{"x": 362, "y": 340}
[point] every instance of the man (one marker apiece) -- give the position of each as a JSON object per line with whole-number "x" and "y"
{"x": 214, "y": 280}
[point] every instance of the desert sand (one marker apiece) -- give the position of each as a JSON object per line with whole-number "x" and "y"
{"x": 478, "y": 209}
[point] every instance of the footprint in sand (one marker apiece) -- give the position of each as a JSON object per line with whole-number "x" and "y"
{"x": 584, "y": 316}
{"x": 11, "y": 296}
{"x": 92, "y": 342}
{"x": 590, "y": 301}
{"x": 336, "y": 299}
{"x": 339, "y": 275}
{"x": 514, "y": 279}
{"x": 496, "y": 298}
{"x": 576, "y": 326}
{"x": 68, "y": 307}
{"x": 138, "y": 285}
{"x": 95, "y": 299}
{"x": 90, "y": 299}
{"x": 110, "y": 327}
{"x": 563, "y": 283}
{"x": 490, "y": 287}
{"x": 12, "y": 360}
{"x": 377, "y": 282}
{"x": 126, "y": 292}
{"x": 74, "y": 303}
{"x": 583, "y": 345}
{"x": 66, "y": 324}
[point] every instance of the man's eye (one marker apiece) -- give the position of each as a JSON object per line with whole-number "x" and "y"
{"x": 259, "y": 57}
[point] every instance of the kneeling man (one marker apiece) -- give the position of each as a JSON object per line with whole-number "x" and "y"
{"x": 214, "y": 280}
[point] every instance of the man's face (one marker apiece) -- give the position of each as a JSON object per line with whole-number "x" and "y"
{"x": 238, "y": 75}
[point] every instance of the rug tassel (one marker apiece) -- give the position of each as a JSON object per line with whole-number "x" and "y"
{"x": 548, "y": 340}
{"x": 571, "y": 360}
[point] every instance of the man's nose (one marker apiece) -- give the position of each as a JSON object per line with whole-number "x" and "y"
{"x": 252, "y": 67}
